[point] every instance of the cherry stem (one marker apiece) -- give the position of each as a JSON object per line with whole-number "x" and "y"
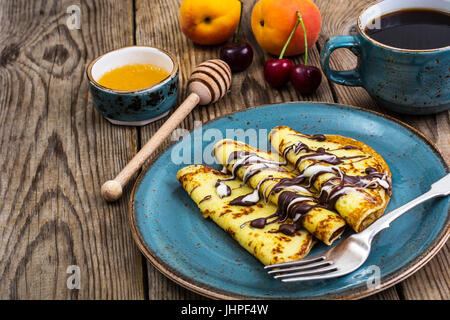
{"x": 236, "y": 34}
{"x": 306, "y": 37}
{"x": 290, "y": 37}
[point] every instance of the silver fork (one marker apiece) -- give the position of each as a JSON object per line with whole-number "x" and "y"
{"x": 351, "y": 253}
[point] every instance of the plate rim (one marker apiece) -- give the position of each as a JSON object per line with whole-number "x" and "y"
{"x": 216, "y": 293}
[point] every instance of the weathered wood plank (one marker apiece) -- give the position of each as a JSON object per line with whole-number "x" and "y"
{"x": 339, "y": 17}
{"x": 432, "y": 282}
{"x": 157, "y": 24}
{"x": 55, "y": 150}
{"x": 387, "y": 294}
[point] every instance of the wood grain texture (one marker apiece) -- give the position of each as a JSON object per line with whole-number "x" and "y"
{"x": 339, "y": 18}
{"x": 157, "y": 24}
{"x": 433, "y": 281}
{"x": 55, "y": 149}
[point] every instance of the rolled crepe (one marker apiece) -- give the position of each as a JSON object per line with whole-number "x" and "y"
{"x": 349, "y": 175}
{"x": 266, "y": 245}
{"x": 297, "y": 206}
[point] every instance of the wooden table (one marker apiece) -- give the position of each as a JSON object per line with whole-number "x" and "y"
{"x": 56, "y": 150}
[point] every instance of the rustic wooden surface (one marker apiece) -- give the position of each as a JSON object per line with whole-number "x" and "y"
{"x": 56, "y": 150}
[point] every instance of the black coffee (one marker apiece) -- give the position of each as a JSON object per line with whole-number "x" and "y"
{"x": 415, "y": 29}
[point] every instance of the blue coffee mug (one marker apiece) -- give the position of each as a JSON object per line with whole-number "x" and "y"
{"x": 405, "y": 81}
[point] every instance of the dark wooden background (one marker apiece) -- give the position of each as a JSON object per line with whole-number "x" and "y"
{"x": 56, "y": 150}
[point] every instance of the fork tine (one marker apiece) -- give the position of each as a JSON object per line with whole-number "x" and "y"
{"x": 302, "y": 267}
{"x": 296, "y": 262}
{"x": 329, "y": 275}
{"x": 307, "y": 272}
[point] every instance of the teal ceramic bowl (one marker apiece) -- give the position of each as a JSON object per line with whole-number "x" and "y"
{"x": 171, "y": 232}
{"x": 134, "y": 107}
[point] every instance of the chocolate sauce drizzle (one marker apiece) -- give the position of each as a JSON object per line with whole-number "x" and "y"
{"x": 340, "y": 185}
{"x": 319, "y": 155}
{"x": 291, "y": 205}
{"x": 208, "y": 197}
{"x": 190, "y": 193}
{"x": 253, "y": 197}
{"x": 244, "y": 200}
{"x": 222, "y": 189}
{"x": 317, "y": 137}
{"x": 296, "y": 201}
{"x": 255, "y": 165}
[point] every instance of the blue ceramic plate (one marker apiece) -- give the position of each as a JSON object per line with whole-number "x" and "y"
{"x": 197, "y": 254}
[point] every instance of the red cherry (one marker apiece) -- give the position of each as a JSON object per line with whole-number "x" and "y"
{"x": 305, "y": 79}
{"x": 238, "y": 55}
{"x": 277, "y": 71}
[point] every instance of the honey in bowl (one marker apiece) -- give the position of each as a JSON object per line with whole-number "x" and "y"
{"x": 133, "y": 77}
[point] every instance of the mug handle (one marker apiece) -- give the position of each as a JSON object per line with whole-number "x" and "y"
{"x": 347, "y": 77}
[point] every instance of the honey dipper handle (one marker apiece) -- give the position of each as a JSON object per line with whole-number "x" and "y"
{"x": 112, "y": 190}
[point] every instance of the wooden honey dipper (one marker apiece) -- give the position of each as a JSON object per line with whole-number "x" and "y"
{"x": 208, "y": 83}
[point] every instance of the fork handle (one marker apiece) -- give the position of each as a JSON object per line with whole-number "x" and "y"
{"x": 438, "y": 189}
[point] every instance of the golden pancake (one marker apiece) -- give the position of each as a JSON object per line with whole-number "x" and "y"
{"x": 265, "y": 244}
{"x": 349, "y": 175}
{"x": 267, "y": 175}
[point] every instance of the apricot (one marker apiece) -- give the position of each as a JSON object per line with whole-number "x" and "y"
{"x": 209, "y": 22}
{"x": 274, "y": 20}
